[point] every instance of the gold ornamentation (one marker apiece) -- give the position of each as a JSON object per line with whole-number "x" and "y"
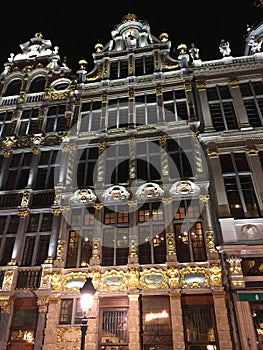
{"x": 201, "y": 86}
{"x": 252, "y": 151}
{"x": 56, "y": 282}
{"x": 173, "y": 274}
{"x": 194, "y": 277}
{"x": 133, "y": 248}
{"x": 7, "y": 153}
{"x": 233, "y": 83}
{"x": 170, "y": 244}
{"x": 5, "y": 304}
{"x": 25, "y": 199}
{"x": 60, "y": 250}
{"x": 133, "y": 278}
{"x": 204, "y": 197}
{"x": 68, "y": 335}
{"x": 213, "y": 153}
{"x": 8, "y": 280}
{"x": 153, "y": 279}
{"x": 46, "y": 277}
{"x": 96, "y": 248}
{"x": 23, "y": 213}
{"x": 97, "y": 76}
{"x": 98, "y": 206}
{"x": 42, "y": 303}
{"x": 235, "y": 265}
{"x": 164, "y": 37}
{"x": 210, "y": 244}
{"x": 215, "y": 274}
{"x": 182, "y": 48}
{"x": 77, "y": 276}
{"x": 56, "y": 211}
{"x": 113, "y": 280}
{"x": 59, "y": 95}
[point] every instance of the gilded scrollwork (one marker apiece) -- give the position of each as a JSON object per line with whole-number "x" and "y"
{"x": 153, "y": 279}
{"x": 114, "y": 280}
{"x": 56, "y": 282}
{"x": 8, "y": 279}
{"x": 194, "y": 277}
{"x": 173, "y": 275}
{"x": 133, "y": 278}
{"x": 61, "y": 250}
{"x": 46, "y": 277}
{"x": 69, "y": 278}
{"x": 70, "y": 335}
{"x": 215, "y": 274}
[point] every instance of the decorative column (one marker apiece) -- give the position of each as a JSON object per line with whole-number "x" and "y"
{"x": 134, "y": 322}
{"x": 212, "y": 254}
{"x": 177, "y": 320}
{"x": 42, "y": 311}
{"x": 221, "y": 315}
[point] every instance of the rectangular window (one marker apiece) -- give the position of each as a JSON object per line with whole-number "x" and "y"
{"x": 86, "y": 174}
{"x": 114, "y": 328}
{"x": 156, "y": 322}
{"x": 221, "y": 108}
{"x": 175, "y": 106}
{"x": 70, "y": 311}
{"x": 48, "y": 161}
{"x": 37, "y": 239}
{"x": 239, "y": 185}
{"x": 199, "y": 322}
{"x": 190, "y": 243}
{"x": 80, "y": 240}
{"x": 8, "y": 230}
{"x": 152, "y": 246}
{"x": 17, "y": 173}
{"x": 181, "y": 158}
{"x": 252, "y": 93}
{"x": 55, "y": 120}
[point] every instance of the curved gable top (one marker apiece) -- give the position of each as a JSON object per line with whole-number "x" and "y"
{"x": 132, "y": 33}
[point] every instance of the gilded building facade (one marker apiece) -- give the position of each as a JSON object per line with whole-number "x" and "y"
{"x": 144, "y": 174}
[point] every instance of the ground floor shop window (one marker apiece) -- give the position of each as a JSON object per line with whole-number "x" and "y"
{"x": 24, "y": 324}
{"x": 114, "y": 324}
{"x": 156, "y": 323}
{"x": 199, "y": 322}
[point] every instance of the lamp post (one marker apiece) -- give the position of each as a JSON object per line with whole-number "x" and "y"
{"x": 87, "y": 294}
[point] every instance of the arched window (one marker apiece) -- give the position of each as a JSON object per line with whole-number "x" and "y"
{"x": 37, "y": 85}
{"x": 13, "y": 88}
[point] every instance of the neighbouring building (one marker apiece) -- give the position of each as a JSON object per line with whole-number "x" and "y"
{"x": 145, "y": 174}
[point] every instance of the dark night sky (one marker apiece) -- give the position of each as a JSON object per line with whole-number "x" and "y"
{"x": 75, "y": 27}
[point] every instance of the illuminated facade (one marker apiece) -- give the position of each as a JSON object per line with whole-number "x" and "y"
{"x": 144, "y": 174}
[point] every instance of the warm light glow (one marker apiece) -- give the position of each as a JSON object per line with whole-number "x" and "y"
{"x": 211, "y": 347}
{"x": 86, "y": 301}
{"x": 155, "y": 315}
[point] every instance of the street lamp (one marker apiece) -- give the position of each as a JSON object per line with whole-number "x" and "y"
{"x": 87, "y": 294}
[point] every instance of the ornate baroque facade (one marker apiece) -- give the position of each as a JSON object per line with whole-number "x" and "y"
{"x": 144, "y": 174}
